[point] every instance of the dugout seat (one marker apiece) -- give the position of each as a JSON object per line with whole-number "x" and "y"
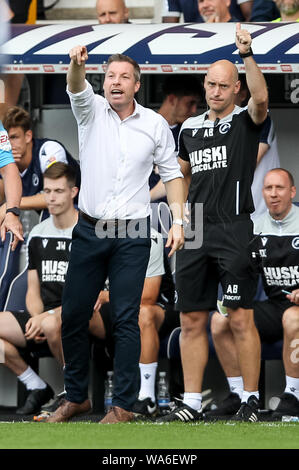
{"x": 17, "y": 292}
{"x": 9, "y": 266}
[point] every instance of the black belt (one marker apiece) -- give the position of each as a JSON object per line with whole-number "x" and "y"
{"x": 94, "y": 221}
{"x": 109, "y": 222}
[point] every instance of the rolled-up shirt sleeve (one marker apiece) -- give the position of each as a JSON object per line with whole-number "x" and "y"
{"x": 165, "y": 155}
{"x": 83, "y": 105}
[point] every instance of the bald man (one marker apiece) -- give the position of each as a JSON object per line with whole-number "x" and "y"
{"x": 217, "y": 153}
{"x": 276, "y": 255}
{"x": 112, "y": 11}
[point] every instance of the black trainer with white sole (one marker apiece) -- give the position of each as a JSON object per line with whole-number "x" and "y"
{"x": 182, "y": 413}
{"x": 145, "y": 407}
{"x": 249, "y": 411}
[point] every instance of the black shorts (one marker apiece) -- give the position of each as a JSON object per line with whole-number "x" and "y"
{"x": 268, "y": 319}
{"x": 224, "y": 257}
{"x": 22, "y": 317}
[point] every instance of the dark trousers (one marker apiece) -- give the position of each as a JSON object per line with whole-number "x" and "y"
{"x": 124, "y": 261}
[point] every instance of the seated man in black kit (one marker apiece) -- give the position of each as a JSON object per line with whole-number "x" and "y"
{"x": 38, "y": 327}
{"x": 157, "y": 318}
{"x": 275, "y": 249}
{"x": 32, "y": 156}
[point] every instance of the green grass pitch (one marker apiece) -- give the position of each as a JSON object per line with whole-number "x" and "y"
{"x": 87, "y": 435}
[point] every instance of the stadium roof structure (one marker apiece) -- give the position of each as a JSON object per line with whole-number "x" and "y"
{"x": 158, "y": 48}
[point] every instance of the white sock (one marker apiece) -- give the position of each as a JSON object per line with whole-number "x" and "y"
{"x": 246, "y": 395}
{"x": 193, "y": 400}
{"x": 236, "y": 385}
{"x": 292, "y": 386}
{"x": 148, "y": 379}
{"x": 31, "y": 380}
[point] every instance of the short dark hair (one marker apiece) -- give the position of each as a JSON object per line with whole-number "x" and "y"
{"x": 16, "y": 116}
{"x": 182, "y": 85}
{"x": 58, "y": 169}
{"x": 290, "y": 176}
{"x": 126, "y": 58}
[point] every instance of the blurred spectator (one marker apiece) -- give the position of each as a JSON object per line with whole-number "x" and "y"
{"x": 112, "y": 11}
{"x": 264, "y": 10}
{"x": 182, "y": 95}
{"x": 172, "y": 10}
{"x": 24, "y": 11}
{"x": 241, "y": 9}
{"x": 215, "y": 11}
{"x": 32, "y": 157}
{"x": 288, "y": 9}
{"x": 49, "y": 245}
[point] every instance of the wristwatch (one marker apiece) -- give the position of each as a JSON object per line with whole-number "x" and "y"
{"x": 15, "y": 210}
{"x": 178, "y": 222}
{"x": 246, "y": 54}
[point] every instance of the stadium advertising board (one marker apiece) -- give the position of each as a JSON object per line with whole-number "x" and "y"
{"x": 158, "y": 48}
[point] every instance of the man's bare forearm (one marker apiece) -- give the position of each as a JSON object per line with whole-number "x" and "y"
{"x": 34, "y": 304}
{"x": 256, "y": 82}
{"x": 175, "y": 197}
{"x": 12, "y": 185}
{"x": 76, "y": 72}
{"x": 158, "y": 191}
{"x": 76, "y": 77}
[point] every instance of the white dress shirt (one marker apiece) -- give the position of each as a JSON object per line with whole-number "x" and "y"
{"x": 117, "y": 157}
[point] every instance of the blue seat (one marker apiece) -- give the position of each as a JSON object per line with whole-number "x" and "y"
{"x": 9, "y": 266}
{"x": 16, "y": 297}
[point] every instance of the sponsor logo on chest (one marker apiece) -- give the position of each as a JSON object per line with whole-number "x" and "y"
{"x": 208, "y": 159}
{"x": 282, "y": 276}
{"x": 54, "y": 271}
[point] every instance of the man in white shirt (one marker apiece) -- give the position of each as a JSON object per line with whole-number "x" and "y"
{"x": 119, "y": 142}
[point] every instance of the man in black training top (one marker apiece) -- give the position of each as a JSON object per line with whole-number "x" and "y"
{"x": 218, "y": 152}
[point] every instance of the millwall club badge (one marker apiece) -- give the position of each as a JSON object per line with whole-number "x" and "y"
{"x": 295, "y": 243}
{"x": 35, "y": 179}
{"x": 224, "y": 128}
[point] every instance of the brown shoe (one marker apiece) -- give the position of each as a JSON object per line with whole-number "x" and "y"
{"x": 117, "y": 415}
{"x": 67, "y": 410}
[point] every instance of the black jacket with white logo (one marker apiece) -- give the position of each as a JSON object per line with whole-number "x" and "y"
{"x": 222, "y": 155}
